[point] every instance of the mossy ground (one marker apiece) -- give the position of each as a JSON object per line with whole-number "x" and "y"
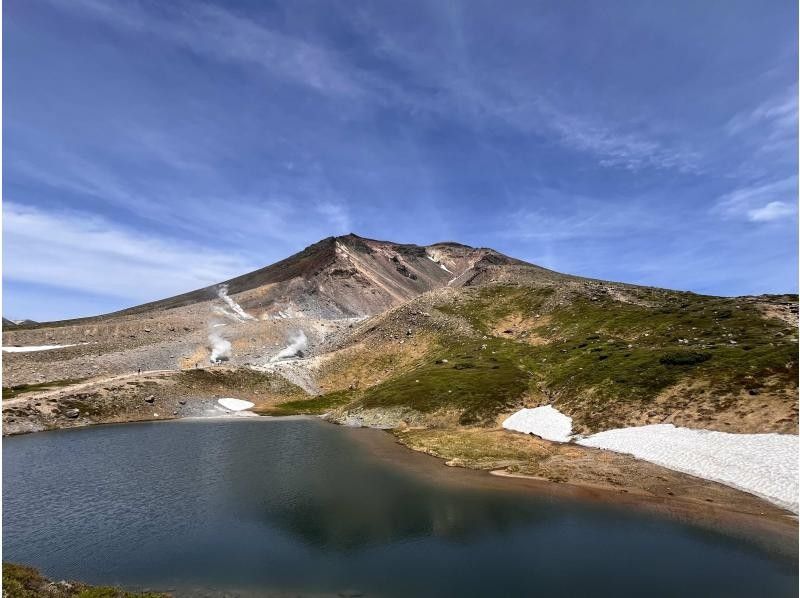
{"x": 603, "y": 358}
{"x": 14, "y": 391}
{"x": 20, "y": 581}
{"x": 309, "y": 406}
{"x": 480, "y": 449}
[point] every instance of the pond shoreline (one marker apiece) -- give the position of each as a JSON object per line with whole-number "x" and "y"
{"x": 776, "y": 530}
{"x": 773, "y": 535}
{"x": 750, "y": 517}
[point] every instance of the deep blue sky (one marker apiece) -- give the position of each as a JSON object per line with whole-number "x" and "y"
{"x": 155, "y": 147}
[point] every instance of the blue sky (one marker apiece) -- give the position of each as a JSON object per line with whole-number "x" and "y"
{"x": 155, "y": 147}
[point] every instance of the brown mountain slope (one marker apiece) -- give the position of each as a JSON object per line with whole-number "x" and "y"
{"x": 316, "y": 291}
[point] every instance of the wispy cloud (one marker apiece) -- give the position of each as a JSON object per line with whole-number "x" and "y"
{"x": 774, "y": 210}
{"x": 761, "y": 202}
{"x": 615, "y": 146}
{"x": 221, "y": 34}
{"x": 775, "y": 118}
{"x": 79, "y": 251}
{"x": 555, "y": 215}
{"x": 458, "y": 89}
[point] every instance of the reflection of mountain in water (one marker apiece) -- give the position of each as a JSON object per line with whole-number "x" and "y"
{"x": 298, "y": 506}
{"x": 316, "y": 492}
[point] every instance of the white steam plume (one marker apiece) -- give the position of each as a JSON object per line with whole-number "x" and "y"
{"x": 222, "y": 293}
{"x": 297, "y": 344}
{"x": 220, "y": 348}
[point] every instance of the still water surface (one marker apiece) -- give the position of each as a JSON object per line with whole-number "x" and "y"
{"x": 299, "y": 506}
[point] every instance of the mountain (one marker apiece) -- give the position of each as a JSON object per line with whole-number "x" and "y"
{"x": 449, "y": 335}
{"x": 319, "y": 291}
{"x": 9, "y": 324}
{"x": 347, "y": 276}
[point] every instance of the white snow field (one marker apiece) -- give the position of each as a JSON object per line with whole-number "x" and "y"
{"x": 235, "y": 404}
{"x": 762, "y": 464}
{"x": 547, "y": 422}
{"x": 35, "y": 348}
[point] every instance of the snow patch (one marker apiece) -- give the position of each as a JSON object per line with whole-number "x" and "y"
{"x": 235, "y": 404}
{"x": 440, "y": 264}
{"x": 30, "y": 348}
{"x": 762, "y": 464}
{"x": 547, "y": 422}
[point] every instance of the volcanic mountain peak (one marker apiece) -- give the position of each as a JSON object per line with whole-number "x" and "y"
{"x": 351, "y": 276}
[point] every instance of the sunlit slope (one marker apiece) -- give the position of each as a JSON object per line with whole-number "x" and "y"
{"x": 607, "y": 355}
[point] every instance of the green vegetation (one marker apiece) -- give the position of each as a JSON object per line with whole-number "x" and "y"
{"x": 311, "y": 406}
{"x": 599, "y": 357}
{"x": 495, "y": 302}
{"x": 601, "y": 351}
{"x": 15, "y": 391}
{"x": 20, "y": 581}
{"x": 684, "y": 358}
{"x": 479, "y": 378}
{"x": 480, "y": 449}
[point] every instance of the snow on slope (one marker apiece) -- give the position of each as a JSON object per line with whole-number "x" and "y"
{"x": 235, "y": 404}
{"x": 547, "y": 422}
{"x": 762, "y": 464}
{"x": 440, "y": 264}
{"x": 34, "y": 348}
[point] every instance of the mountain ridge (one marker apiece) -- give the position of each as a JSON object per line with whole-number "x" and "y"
{"x": 331, "y": 256}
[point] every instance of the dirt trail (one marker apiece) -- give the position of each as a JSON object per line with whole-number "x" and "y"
{"x": 79, "y": 386}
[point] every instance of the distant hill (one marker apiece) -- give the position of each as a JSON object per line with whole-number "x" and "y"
{"x": 10, "y": 324}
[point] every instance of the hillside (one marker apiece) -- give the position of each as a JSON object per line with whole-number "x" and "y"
{"x": 319, "y": 291}
{"x": 606, "y": 355}
{"x": 439, "y": 344}
{"x": 456, "y": 334}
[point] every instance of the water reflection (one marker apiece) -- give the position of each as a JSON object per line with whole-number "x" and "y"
{"x": 332, "y": 496}
{"x": 298, "y": 505}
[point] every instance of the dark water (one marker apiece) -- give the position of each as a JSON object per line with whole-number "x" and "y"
{"x": 299, "y": 506}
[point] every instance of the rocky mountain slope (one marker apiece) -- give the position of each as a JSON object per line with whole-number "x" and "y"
{"x": 438, "y": 343}
{"x": 450, "y": 332}
{"x": 319, "y": 291}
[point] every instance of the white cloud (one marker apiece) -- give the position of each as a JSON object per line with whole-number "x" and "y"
{"x": 760, "y": 202}
{"x": 774, "y": 210}
{"x": 78, "y": 251}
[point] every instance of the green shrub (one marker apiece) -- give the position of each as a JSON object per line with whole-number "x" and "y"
{"x": 684, "y": 358}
